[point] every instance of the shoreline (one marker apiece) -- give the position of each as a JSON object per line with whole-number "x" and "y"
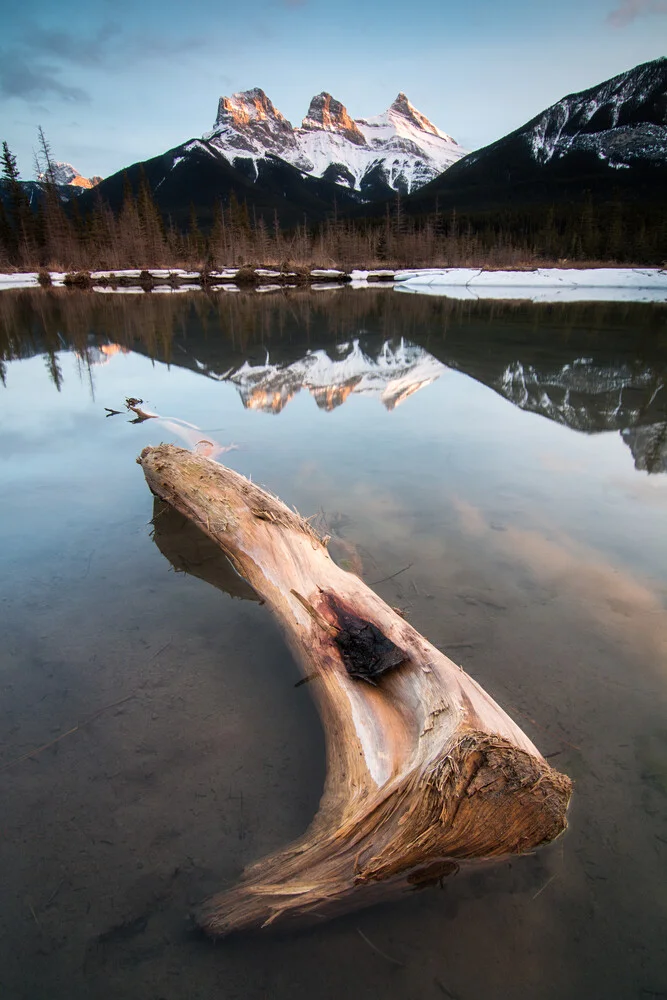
{"x": 552, "y": 284}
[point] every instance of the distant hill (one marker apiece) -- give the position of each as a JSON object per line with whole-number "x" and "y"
{"x": 67, "y": 175}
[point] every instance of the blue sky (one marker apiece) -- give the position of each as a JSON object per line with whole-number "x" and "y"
{"x": 118, "y": 81}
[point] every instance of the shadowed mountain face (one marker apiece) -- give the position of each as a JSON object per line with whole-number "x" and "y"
{"x": 591, "y": 367}
{"x": 609, "y": 141}
{"x": 648, "y": 446}
{"x": 199, "y": 174}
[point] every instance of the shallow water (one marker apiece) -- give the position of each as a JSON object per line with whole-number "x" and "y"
{"x": 504, "y": 465}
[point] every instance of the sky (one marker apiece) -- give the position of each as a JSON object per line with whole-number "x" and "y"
{"x": 120, "y": 80}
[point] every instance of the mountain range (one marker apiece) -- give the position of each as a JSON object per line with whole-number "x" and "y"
{"x": 604, "y": 144}
{"x": 330, "y": 163}
{"x": 399, "y": 150}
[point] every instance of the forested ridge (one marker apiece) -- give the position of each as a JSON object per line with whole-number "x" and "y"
{"x": 57, "y": 234}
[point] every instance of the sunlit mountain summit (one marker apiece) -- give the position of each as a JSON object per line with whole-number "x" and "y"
{"x": 399, "y": 149}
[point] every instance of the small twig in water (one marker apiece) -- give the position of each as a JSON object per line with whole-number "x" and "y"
{"x": 160, "y": 650}
{"x": 90, "y": 556}
{"x": 141, "y": 415}
{"x": 443, "y": 989}
{"x": 36, "y": 750}
{"x": 385, "y": 578}
{"x": 74, "y": 729}
{"x": 383, "y": 954}
{"x": 54, "y": 893}
{"x": 540, "y": 891}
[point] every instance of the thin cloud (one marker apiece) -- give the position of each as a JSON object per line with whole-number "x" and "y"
{"x": 629, "y": 10}
{"x": 105, "y": 46}
{"x": 159, "y": 47}
{"x": 37, "y": 66}
{"x": 70, "y": 48}
{"x": 31, "y": 81}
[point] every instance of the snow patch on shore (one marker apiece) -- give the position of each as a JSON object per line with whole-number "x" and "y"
{"x": 18, "y": 280}
{"x": 549, "y": 284}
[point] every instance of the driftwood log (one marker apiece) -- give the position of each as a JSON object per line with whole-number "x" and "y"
{"x": 425, "y": 772}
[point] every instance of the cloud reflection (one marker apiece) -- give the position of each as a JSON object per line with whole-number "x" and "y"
{"x": 619, "y": 602}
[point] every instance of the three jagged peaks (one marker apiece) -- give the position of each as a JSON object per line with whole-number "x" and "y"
{"x": 324, "y": 112}
{"x": 400, "y": 149}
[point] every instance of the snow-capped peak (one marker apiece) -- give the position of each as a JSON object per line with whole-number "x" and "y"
{"x": 249, "y": 125}
{"x": 247, "y": 106}
{"x": 403, "y": 110}
{"x": 399, "y": 149}
{"x": 65, "y": 173}
{"x": 329, "y": 115}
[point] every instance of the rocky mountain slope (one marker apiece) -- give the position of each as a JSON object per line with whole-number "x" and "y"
{"x": 606, "y": 141}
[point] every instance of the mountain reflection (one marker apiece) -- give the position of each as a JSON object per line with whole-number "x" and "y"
{"x": 648, "y": 446}
{"x": 391, "y": 375}
{"x": 592, "y": 367}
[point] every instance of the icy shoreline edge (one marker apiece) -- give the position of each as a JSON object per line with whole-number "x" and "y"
{"x": 540, "y": 285}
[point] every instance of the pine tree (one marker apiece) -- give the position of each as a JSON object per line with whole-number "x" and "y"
{"x": 217, "y": 244}
{"x": 44, "y": 157}
{"x": 151, "y": 223}
{"x": 195, "y": 240}
{"x": 18, "y": 230}
{"x": 8, "y": 243}
{"x": 59, "y": 241}
{"x": 131, "y": 240}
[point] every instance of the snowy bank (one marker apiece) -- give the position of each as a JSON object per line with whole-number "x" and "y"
{"x": 548, "y": 284}
{"x": 19, "y": 280}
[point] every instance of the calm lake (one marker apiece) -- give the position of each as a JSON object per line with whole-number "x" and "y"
{"x": 502, "y": 468}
